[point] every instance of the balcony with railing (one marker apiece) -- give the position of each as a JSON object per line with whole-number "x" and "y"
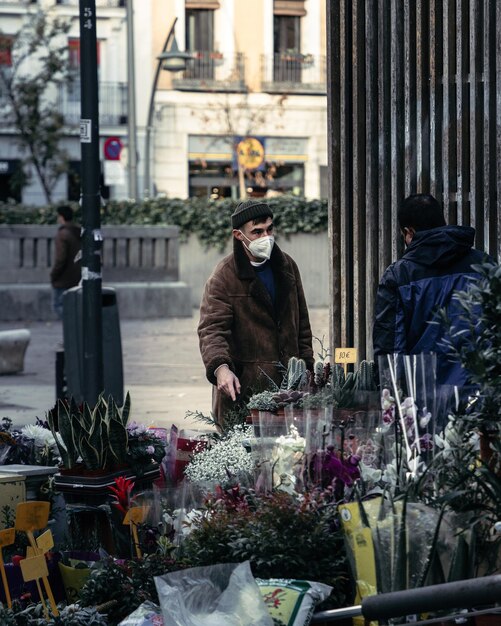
{"x": 212, "y": 71}
{"x": 112, "y": 103}
{"x": 75, "y": 3}
{"x": 293, "y": 72}
{"x": 99, "y": 3}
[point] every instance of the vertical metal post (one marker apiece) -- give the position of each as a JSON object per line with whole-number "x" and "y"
{"x": 148, "y": 193}
{"x": 91, "y": 204}
{"x": 131, "y": 103}
{"x": 334, "y": 170}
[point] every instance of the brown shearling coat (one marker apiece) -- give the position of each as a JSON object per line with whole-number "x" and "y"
{"x": 65, "y": 272}
{"x": 240, "y": 326}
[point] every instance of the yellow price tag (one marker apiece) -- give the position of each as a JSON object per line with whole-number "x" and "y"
{"x": 31, "y": 552}
{"x": 136, "y": 515}
{"x": 46, "y": 541}
{"x": 32, "y": 515}
{"x": 34, "y": 568}
{"x": 345, "y": 355}
{"x": 7, "y": 537}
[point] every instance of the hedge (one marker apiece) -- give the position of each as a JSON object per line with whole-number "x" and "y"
{"x": 209, "y": 220}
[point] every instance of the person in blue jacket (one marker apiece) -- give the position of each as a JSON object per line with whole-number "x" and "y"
{"x": 437, "y": 263}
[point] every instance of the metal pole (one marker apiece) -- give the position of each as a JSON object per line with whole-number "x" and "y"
{"x": 91, "y": 204}
{"x": 149, "y": 123}
{"x": 131, "y": 103}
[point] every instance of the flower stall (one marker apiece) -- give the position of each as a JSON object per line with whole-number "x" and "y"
{"x": 317, "y": 502}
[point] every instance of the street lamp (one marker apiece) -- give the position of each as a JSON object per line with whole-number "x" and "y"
{"x": 173, "y": 60}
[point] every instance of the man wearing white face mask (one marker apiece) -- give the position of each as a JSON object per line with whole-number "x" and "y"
{"x": 253, "y": 313}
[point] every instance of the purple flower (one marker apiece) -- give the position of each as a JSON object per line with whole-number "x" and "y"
{"x": 426, "y": 442}
{"x": 150, "y": 449}
{"x": 135, "y": 428}
{"x": 345, "y": 470}
{"x": 388, "y": 416}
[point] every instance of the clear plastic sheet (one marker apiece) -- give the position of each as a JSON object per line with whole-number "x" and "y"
{"x": 225, "y": 594}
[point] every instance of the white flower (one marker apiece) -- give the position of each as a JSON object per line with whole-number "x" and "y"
{"x": 41, "y": 436}
{"x": 369, "y": 474}
{"x": 224, "y": 457}
{"x": 424, "y": 420}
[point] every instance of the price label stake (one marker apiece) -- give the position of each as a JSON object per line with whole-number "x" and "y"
{"x": 134, "y": 516}
{"x": 35, "y": 568}
{"x": 45, "y": 541}
{"x": 345, "y": 356}
{"x": 30, "y": 516}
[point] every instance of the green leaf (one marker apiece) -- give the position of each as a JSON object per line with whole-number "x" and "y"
{"x": 117, "y": 434}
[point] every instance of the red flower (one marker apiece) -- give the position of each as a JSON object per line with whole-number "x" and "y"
{"x": 122, "y": 493}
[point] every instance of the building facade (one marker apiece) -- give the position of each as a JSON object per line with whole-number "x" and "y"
{"x": 246, "y": 116}
{"x": 249, "y": 111}
{"x": 112, "y": 74}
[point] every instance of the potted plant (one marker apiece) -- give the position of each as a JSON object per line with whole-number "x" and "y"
{"x": 262, "y": 401}
{"x": 96, "y": 445}
{"x": 275, "y": 399}
{"x": 93, "y": 440}
{"x": 282, "y": 535}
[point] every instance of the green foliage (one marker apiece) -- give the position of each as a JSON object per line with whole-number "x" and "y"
{"x": 351, "y": 389}
{"x": 295, "y": 375}
{"x": 7, "y": 617}
{"x": 479, "y": 349}
{"x": 98, "y": 435}
{"x": 40, "y": 43}
{"x": 209, "y": 220}
{"x": 235, "y": 416}
{"x": 263, "y": 401}
{"x": 129, "y": 583}
{"x": 33, "y": 615}
{"x": 282, "y": 535}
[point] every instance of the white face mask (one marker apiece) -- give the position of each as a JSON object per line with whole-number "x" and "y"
{"x": 260, "y": 248}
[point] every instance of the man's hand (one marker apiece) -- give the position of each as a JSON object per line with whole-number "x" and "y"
{"x": 227, "y": 382}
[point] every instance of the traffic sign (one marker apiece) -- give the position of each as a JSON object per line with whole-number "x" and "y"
{"x": 112, "y": 148}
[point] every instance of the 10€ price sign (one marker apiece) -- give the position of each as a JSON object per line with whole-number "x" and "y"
{"x": 345, "y": 356}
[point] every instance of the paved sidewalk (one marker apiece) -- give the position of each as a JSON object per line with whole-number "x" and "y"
{"x": 163, "y": 370}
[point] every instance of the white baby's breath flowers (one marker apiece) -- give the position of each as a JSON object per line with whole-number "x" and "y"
{"x": 223, "y": 458}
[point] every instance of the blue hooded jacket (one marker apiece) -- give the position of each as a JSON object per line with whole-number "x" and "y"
{"x": 436, "y": 264}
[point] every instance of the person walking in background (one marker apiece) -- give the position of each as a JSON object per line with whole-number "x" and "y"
{"x": 253, "y": 313}
{"x": 65, "y": 272}
{"x": 437, "y": 263}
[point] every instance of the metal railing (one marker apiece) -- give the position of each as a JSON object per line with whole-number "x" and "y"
{"x": 75, "y": 3}
{"x": 287, "y": 72}
{"x": 99, "y": 3}
{"x": 445, "y": 599}
{"x": 112, "y": 103}
{"x": 212, "y": 71}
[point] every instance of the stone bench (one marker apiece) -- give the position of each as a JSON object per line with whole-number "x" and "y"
{"x": 13, "y": 345}
{"x": 140, "y": 262}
